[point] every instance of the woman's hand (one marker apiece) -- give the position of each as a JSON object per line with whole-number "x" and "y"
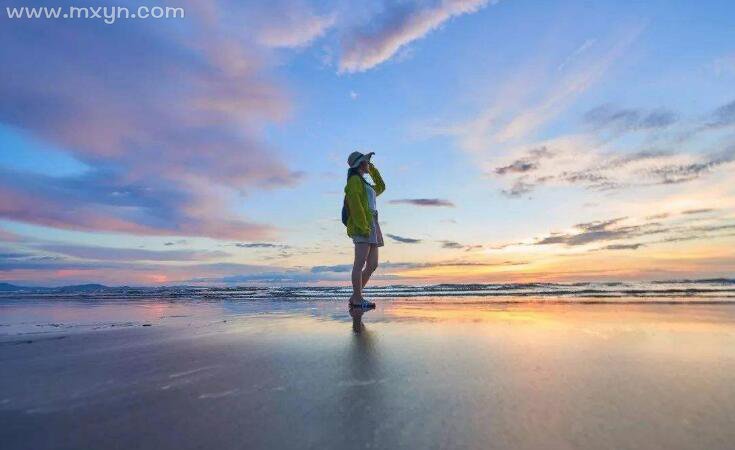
{"x": 375, "y": 175}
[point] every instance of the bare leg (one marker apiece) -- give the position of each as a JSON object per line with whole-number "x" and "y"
{"x": 361, "y": 254}
{"x": 371, "y": 265}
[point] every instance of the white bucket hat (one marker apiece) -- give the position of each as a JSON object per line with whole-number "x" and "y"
{"x": 356, "y": 158}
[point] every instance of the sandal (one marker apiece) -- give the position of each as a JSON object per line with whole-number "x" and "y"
{"x": 363, "y": 304}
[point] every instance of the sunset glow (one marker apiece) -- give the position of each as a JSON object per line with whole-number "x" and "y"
{"x": 519, "y": 141}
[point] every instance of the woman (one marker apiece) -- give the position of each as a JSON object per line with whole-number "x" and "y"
{"x": 362, "y": 222}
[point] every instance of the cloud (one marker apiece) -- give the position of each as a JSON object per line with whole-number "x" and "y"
{"x": 723, "y": 116}
{"x": 456, "y": 264}
{"x": 10, "y": 255}
{"x": 404, "y": 240}
{"x": 621, "y": 149}
{"x": 400, "y": 24}
{"x": 336, "y": 268}
{"x": 94, "y": 260}
{"x": 48, "y": 267}
{"x": 11, "y": 259}
{"x": 526, "y": 163}
{"x": 529, "y": 162}
{"x": 98, "y": 202}
{"x": 615, "y": 230}
{"x": 170, "y": 121}
{"x": 533, "y": 95}
{"x": 698, "y": 211}
{"x": 681, "y": 173}
{"x": 724, "y": 65}
{"x": 622, "y": 120}
{"x": 20, "y": 266}
{"x": 258, "y": 245}
{"x": 397, "y": 266}
{"x": 586, "y": 45}
{"x": 518, "y": 166}
{"x": 518, "y": 189}
{"x": 423, "y": 202}
{"x": 586, "y": 162}
{"x": 63, "y": 270}
{"x": 282, "y": 277}
{"x": 129, "y": 254}
{"x": 7, "y": 236}
{"x": 452, "y": 245}
{"x": 291, "y": 24}
{"x": 607, "y": 230}
{"x": 561, "y": 93}
{"x": 330, "y": 273}
{"x": 623, "y": 246}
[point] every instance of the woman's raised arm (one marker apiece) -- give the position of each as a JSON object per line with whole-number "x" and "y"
{"x": 375, "y": 175}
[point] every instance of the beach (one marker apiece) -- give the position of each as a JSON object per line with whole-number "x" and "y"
{"x": 445, "y": 372}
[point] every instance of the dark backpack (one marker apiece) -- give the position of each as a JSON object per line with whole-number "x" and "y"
{"x": 345, "y": 212}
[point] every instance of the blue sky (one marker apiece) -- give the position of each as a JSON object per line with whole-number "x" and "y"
{"x": 572, "y": 140}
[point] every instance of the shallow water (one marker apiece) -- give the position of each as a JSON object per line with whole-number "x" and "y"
{"x": 306, "y": 374}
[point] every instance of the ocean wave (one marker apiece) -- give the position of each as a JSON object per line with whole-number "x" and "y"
{"x": 718, "y": 288}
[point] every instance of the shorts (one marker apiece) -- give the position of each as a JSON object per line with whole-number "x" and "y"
{"x": 375, "y": 237}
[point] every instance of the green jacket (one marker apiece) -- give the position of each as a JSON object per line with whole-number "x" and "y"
{"x": 358, "y": 223}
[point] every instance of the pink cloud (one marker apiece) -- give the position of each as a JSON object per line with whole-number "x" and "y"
{"x": 156, "y": 110}
{"x": 398, "y": 27}
{"x": 291, "y": 24}
{"x": 88, "y": 204}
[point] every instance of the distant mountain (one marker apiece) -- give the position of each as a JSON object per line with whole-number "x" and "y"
{"x": 78, "y": 288}
{"x": 81, "y": 288}
{"x": 7, "y": 287}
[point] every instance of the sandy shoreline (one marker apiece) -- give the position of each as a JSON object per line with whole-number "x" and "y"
{"x": 303, "y": 375}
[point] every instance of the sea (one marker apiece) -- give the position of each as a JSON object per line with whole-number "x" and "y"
{"x": 715, "y": 290}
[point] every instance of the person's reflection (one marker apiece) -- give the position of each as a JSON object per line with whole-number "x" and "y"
{"x": 362, "y": 395}
{"x": 357, "y": 326}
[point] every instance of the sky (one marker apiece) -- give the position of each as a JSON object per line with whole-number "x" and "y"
{"x": 519, "y": 141}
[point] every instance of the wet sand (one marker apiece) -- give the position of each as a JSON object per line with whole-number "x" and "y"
{"x": 222, "y": 375}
